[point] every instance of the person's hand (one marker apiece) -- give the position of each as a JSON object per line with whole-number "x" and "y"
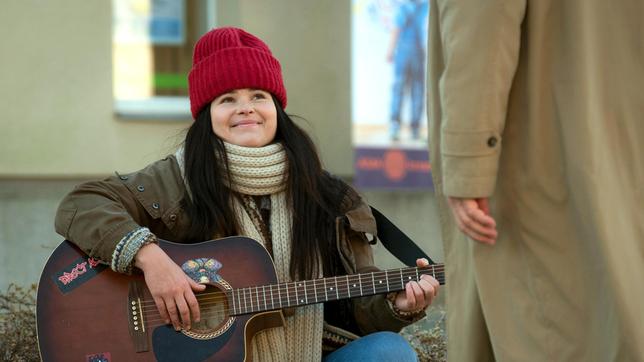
{"x": 418, "y": 295}
{"x": 170, "y": 287}
{"x": 473, "y": 218}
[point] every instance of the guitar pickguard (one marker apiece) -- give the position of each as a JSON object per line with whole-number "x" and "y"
{"x": 170, "y": 345}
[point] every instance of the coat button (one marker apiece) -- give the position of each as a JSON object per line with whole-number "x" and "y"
{"x": 492, "y": 141}
{"x": 155, "y": 205}
{"x": 123, "y": 178}
{"x": 140, "y": 188}
{"x": 173, "y": 217}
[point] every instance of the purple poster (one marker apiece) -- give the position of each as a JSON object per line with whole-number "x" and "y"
{"x": 389, "y": 40}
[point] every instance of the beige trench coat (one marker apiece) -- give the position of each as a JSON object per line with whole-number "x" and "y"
{"x": 540, "y": 106}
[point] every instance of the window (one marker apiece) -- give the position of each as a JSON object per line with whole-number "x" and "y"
{"x": 152, "y": 43}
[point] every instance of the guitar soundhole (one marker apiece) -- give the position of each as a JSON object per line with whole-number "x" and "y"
{"x": 215, "y": 316}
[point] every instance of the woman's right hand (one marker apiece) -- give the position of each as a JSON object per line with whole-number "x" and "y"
{"x": 170, "y": 287}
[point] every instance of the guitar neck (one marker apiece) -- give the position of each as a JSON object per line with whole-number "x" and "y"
{"x": 293, "y": 294}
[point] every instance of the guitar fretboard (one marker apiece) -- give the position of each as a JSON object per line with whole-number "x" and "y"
{"x": 276, "y": 296}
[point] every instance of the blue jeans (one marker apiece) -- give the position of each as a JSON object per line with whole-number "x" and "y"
{"x": 409, "y": 72}
{"x": 379, "y": 346}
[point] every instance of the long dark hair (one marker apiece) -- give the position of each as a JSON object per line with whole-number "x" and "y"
{"x": 313, "y": 195}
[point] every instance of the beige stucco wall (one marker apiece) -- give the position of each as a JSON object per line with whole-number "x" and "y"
{"x": 56, "y": 106}
{"x": 56, "y": 94}
{"x": 312, "y": 40}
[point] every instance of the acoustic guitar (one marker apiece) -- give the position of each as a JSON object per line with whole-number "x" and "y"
{"x": 87, "y": 312}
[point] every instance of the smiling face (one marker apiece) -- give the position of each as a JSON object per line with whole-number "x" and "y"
{"x": 244, "y": 117}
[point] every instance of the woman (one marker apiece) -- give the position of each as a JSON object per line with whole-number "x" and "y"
{"x": 245, "y": 169}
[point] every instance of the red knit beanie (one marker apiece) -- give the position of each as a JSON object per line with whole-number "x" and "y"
{"x": 230, "y": 58}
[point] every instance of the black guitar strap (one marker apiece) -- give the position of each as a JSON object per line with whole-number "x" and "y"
{"x": 398, "y": 244}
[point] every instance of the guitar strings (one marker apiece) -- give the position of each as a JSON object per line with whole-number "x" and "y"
{"x": 221, "y": 298}
{"x": 247, "y": 293}
{"x": 257, "y": 306}
{"x": 154, "y": 317}
{"x": 252, "y": 293}
{"x": 225, "y": 312}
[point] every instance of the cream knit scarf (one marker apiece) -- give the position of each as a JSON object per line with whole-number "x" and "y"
{"x": 262, "y": 171}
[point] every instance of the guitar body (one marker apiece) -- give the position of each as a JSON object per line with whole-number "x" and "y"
{"x": 87, "y": 312}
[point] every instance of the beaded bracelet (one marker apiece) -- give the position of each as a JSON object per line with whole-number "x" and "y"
{"x": 126, "y": 249}
{"x": 409, "y": 315}
{"x": 149, "y": 239}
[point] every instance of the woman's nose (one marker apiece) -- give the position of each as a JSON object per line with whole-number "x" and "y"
{"x": 245, "y": 107}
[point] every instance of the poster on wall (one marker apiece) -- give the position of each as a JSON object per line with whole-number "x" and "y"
{"x": 389, "y": 41}
{"x": 158, "y": 22}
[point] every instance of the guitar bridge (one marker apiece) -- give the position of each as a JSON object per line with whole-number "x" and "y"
{"x": 136, "y": 320}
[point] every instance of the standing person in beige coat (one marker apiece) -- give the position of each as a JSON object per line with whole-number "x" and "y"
{"x": 537, "y": 138}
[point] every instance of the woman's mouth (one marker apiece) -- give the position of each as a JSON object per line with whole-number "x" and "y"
{"x": 246, "y": 123}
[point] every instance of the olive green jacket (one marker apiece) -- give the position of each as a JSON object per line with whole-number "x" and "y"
{"x": 97, "y": 215}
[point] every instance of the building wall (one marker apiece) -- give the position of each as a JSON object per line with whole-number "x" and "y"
{"x": 58, "y": 126}
{"x": 27, "y": 237}
{"x": 56, "y": 94}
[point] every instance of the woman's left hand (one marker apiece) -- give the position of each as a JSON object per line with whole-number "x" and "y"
{"x": 417, "y": 295}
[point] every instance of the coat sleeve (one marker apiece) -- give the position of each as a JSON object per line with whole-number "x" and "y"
{"x": 372, "y": 313}
{"x": 97, "y": 215}
{"x": 479, "y": 42}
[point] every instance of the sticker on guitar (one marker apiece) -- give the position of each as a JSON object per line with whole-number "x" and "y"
{"x": 99, "y": 357}
{"x": 77, "y": 273}
{"x": 202, "y": 270}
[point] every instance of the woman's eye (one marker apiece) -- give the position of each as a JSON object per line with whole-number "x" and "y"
{"x": 259, "y": 96}
{"x": 227, "y": 100}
